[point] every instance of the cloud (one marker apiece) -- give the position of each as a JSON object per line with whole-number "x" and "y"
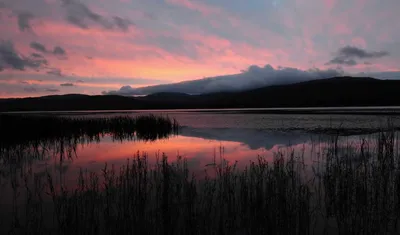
{"x": 349, "y": 51}
{"x": 348, "y": 55}
{"x": 80, "y": 81}
{"x": 39, "y": 89}
{"x": 10, "y": 58}
{"x": 253, "y": 77}
{"x": 59, "y": 51}
{"x": 55, "y": 71}
{"x": 36, "y": 55}
{"x": 122, "y": 24}
{"x": 30, "y": 89}
{"x": 24, "y": 21}
{"x": 67, "y": 84}
{"x": 38, "y": 46}
{"x": 343, "y": 61}
{"x": 80, "y": 15}
{"x": 52, "y": 90}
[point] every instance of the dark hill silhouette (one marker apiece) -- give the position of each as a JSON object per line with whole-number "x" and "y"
{"x": 337, "y": 92}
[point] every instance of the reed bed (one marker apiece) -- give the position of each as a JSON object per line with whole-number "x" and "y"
{"x": 23, "y": 129}
{"x": 27, "y": 138}
{"x": 357, "y": 192}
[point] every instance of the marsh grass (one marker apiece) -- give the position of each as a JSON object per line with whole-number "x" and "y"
{"x": 165, "y": 198}
{"x": 356, "y": 191}
{"x": 363, "y": 196}
{"x": 25, "y": 138}
{"x": 32, "y": 129}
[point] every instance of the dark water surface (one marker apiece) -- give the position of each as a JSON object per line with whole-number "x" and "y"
{"x": 205, "y": 136}
{"x": 203, "y": 139}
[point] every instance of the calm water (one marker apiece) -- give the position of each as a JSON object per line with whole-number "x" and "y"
{"x": 204, "y": 137}
{"x": 208, "y": 136}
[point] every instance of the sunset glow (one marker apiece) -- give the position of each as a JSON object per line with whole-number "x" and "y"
{"x": 104, "y": 45}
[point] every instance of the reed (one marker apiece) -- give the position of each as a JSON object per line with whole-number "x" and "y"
{"x": 26, "y": 129}
{"x": 357, "y": 191}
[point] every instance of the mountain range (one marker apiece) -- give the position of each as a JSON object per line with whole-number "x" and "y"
{"x": 330, "y": 92}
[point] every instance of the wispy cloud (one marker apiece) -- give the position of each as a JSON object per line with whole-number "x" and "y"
{"x": 55, "y": 71}
{"x": 348, "y": 55}
{"x": 38, "y": 46}
{"x": 52, "y": 90}
{"x": 57, "y": 51}
{"x": 10, "y": 58}
{"x": 67, "y": 84}
{"x": 81, "y": 15}
{"x": 24, "y": 21}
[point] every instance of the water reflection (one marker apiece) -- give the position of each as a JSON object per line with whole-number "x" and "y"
{"x": 201, "y": 146}
{"x": 63, "y": 158}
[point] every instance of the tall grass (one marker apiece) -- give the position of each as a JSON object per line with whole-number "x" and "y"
{"x": 166, "y": 199}
{"x": 26, "y": 129}
{"x": 357, "y": 191}
{"x": 24, "y": 138}
{"x": 363, "y": 196}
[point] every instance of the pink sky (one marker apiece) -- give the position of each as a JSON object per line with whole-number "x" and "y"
{"x": 110, "y": 44}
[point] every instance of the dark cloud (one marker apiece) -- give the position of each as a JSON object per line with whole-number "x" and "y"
{"x": 80, "y": 81}
{"x": 59, "y": 51}
{"x": 80, "y": 15}
{"x": 24, "y": 21}
{"x": 122, "y": 24}
{"x": 349, "y": 54}
{"x": 30, "y": 89}
{"x": 38, "y": 89}
{"x": 253, "y": 77}
{"x": 67, "y": 84}
{"x": 349, "y": 51}
{"x": 343, "y": 61}
{"x": 52, "y": 90}
{"x": 11, "y": 59}
{"x": 89, "y": 57}
{"x": 38, "y": 46}
{"x": 55, "y": 71}
{"x": 36, "y": 55}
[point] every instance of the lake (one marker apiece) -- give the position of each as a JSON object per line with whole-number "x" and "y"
{"x": 204, "y": 136}
{"x": 203, "y": 139}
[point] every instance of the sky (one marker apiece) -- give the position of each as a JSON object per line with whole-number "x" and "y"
{"x": 95, "y": 46}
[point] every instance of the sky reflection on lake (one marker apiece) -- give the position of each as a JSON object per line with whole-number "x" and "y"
{"x": 200, "y": 146}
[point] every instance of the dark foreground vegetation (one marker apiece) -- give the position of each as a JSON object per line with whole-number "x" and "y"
{"x": 333, "y": 92}
{"x": 352, "y": 191}
{"x": 24, "y": 129}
